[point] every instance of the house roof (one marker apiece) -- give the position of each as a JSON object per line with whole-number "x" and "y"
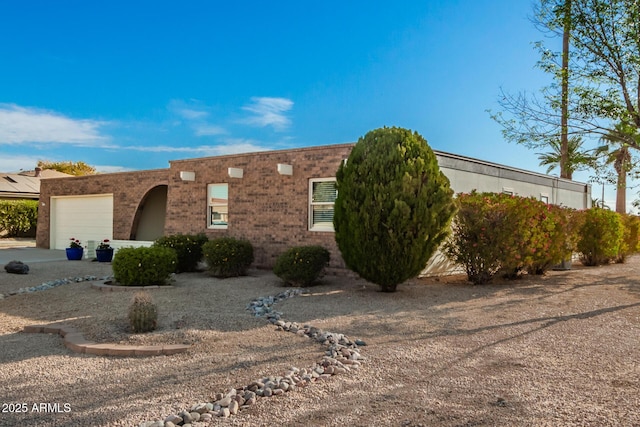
{"x": 24, "y": 185}
{"x": 46, "y": 173}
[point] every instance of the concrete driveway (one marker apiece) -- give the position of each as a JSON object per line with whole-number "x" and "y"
{"x": 24, "y": 250}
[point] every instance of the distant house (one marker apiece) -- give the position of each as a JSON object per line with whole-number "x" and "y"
{"x": 275, "y": 199}
{"x": 25, "y": 185}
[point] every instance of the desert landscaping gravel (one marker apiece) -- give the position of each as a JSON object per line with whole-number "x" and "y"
{"x": 557, "y": 350}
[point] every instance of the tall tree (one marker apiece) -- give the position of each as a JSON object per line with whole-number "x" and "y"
{"x": 577, "y": 158}
{"x": 541, "y": 122}
{"x": 564, "y": 94}
{"x": 617, "y": 153}
{"x": 72, "y": 168}
{"x": 607, "y": 36}
{"x": 605, "y": 75}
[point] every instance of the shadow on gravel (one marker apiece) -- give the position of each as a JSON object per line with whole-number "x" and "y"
{"x": 20, "y": 346}
{"x": 113, "y": 397}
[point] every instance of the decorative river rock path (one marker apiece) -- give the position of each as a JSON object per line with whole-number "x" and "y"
{"x": 342, "y": 356}
{"x": 54, "y": 283}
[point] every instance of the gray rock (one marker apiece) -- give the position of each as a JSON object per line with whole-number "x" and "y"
{"x": 195, "y": 416}
{"x": 240, "y": 399}
{"x": 186, "y": 417}
{"x": 233, "y": 407}
{"x": 224, "y": 402}
{"x": 173, "y": 419}
{"x": 17, "y": 267}
{"x": 200, "y": 408}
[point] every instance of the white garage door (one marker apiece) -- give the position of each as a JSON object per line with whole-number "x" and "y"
{"x": 83, "y": 217}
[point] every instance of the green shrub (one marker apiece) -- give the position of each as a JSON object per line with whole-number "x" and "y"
{"x": 144, "y": 266}
{"x": 520, "y": 233}
{"x": 303, "y": 265}
{"x": 143, "y": 313}
{"x": 228, "y": 257}
{"x": 534, "y": 236}
{"x": 631, "y": 236}
{"x": 393, "y": 207}
{"x": 188, "y": 248}
{"x": 560, "y": 232}
{"x": 499, "y": 232}
{"x": 476, "y": 242}
{"x": 600, "y": 236}
{"x": 575, "y": 219}
{"x": 18, "y": 216}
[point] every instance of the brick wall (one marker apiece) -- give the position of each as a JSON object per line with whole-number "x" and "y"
{"x": 268, "y": 209}
{"x": 128, "y": 188}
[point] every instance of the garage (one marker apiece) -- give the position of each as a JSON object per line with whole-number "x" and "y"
{"x": 83, "y": 217}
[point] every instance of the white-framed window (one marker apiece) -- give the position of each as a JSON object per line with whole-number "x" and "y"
{"x": 544, "y": 198}
{"x": 217, "y": 206}
{"x": 322, "y": 197}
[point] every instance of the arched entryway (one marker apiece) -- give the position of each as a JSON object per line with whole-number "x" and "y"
{"x": 148, "y": 224}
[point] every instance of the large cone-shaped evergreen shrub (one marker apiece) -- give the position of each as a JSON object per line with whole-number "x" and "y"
{"x": 394, "y": 206}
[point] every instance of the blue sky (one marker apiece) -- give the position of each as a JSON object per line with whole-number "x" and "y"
{"x": 132, "y": 85}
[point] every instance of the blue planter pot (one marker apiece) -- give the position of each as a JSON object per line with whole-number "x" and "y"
{"x": 104, "y": 255}
{"x": 74, "y": 254}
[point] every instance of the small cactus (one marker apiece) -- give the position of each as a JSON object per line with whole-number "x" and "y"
{"x": 143, "y": 313}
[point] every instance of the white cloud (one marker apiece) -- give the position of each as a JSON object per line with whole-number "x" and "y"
{"x": 9, "y": 163}
{"x": 188, "y": 111}
{"x": 111, "y": 169}
{"x": 24, "y": 124}
{"x": 160, "y": 148}
{"x": 240, "y": 145}
{"x": 194, "y": 115}
{"x": 269, "y": 112}
{"x": 207, "y": 130}
{"x": 232, "y": 146}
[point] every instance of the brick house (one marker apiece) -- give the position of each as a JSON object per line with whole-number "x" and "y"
{"x": 275, "y": 199}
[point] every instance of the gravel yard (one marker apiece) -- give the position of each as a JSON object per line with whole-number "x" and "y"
{"x": 557, "y": 350}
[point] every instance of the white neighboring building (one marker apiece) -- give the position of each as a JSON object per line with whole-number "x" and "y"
{"x": 467, "y": 174}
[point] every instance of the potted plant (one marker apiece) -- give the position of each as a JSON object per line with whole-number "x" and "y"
{"x": 75, "y": 250}
{"x": 104, "y": 251}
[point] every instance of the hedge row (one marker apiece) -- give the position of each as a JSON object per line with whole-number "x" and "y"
{"x": 188, "y": 248}
{"x": 492, "y": 234}
{"x": 498, "y": 233}
{"x": 225, "y": 257}
{"x": 18, "y": 216}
